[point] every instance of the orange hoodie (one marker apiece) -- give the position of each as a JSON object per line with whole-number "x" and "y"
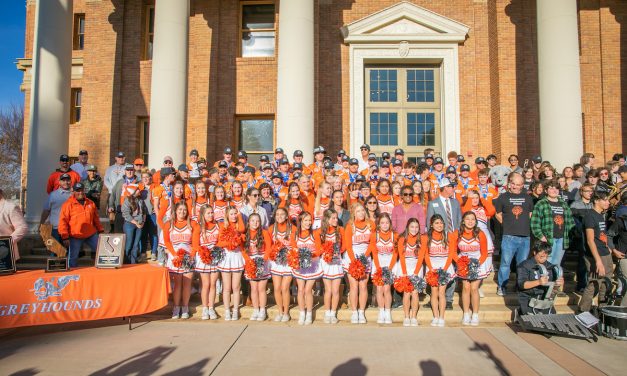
{"x": 78, "y": 220}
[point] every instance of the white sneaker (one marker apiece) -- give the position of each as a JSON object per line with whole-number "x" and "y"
{"x": 361, "y": 317}
{"x": 227, "y": 315}
{"x": 327, "y": 317}
{"x": 235, "y": 315}
{"x": 441, "y": 322}
{"x": 435, "y": 321}
{"x": 414, "y": 322}
{"x": 481, "y": 294}
{"x": 176, "y": 311}
{"x": 475, "y": 319}
{"x": 309, "y": 318}
{"x": 332, "y": 317}
{"x": 406, "y": 322}
{"x": 381, "y": 317}
{"x": 286, "y": 317}
{"x": 185, "y": 314}
{"x": 205, "y": 313}
{"x": 354, "y": 318}
{"x": 262, "y": 315}
{"x": 253, "y": 316}
{"x": 388, "y": 316}
{"x": 301, "y": 318}
{"x": 278, "y": 317}
{"x": 212, "y": 313}
{"x": 466, "y": 319}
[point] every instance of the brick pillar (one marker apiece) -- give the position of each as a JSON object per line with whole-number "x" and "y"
{"x": 50, "y": 98}
{"x": 561, "y": 132}
{"x": 295, "y": 80}
{"x": 168, "y": 101}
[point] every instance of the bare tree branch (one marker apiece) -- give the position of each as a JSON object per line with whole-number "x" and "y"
{"x": 11, "y": 135}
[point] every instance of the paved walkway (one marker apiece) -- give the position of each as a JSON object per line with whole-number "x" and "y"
{"x": 219, "y": 348}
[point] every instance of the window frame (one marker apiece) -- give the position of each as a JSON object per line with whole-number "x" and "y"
{"x": 77, "y": 36}
{"x": 238, "y": 120}
{"x": 143, "y": 126}
{"x": 75, "y": 110}
{"x": 241, "y": 29}
{"x": 148, "y": 8}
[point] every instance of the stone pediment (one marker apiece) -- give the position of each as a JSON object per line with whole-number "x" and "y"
{"x": 404, "y": 22}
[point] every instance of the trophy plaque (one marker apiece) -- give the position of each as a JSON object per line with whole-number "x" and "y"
{"x": 57, "y": 264}
{"x": 7, "y": 261}
{"x": 54, "y": 264}
{"x": 110, "y": 252}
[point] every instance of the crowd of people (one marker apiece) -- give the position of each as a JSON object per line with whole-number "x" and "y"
{"x": 406, "y": 227}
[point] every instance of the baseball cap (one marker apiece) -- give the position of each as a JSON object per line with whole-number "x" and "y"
{"x": 138, "y": 161}
{"x": 279, "y": 150}
{"x": 276, "y": 175}
{"x": 165, "y": 171}
{"x": 267, "y": 166}
{"x": 78, "y": 187}
{"x": 451, "y": 170}
{"x": 429, "y": 156}
{"x": 438, "y": 160}
{"x": 445, "y": 183}
{"x": 464, "y": 167}
{"x": 328, "y": 166}
{"x": 374, "y": 168}
{"x": 284, "y": 161}
{"x": 322, "y": 149}
{"x": 129, "y": 166}
{"x": 120, "y": 155}
{"x": 372, "y": 156}
{"x": 223, "y": 164}
{"x": 399, "y": 152}
{"x": 385, "y": 164}
{"x": 264, "y": 158}
{"x": 460, "y": 158}
{"x": 490, "y": 156}
{"x": 83, "y": 152}
{"x": 365, "y": 146}
{"x": 385, "y": 155}
{"x": 227, "y": 150}
{"x": 345, "y": 158}
{"x": 167, "y": 158}
{"x": 298, "y": 153}
{"x": 537, "y": 159}
{"x": 480, "y": 160}
{"x": 353, "y": 161}
{"x": 341, "y": 152}
{"x": 242, "y": 154}
{"x": 360, "y": 178}
{"x": 249, "y": 169}
{"x": 65, "y": 177}
{"x": 296, "y": 175}
{"x": 64, "y": 158}
{"x": 397, "y": 162}
{"x": 297, "y": 166}
{"x": 92, "y": 168}
{"x": 194, "y": 152}
{"x": 183, "y": 167}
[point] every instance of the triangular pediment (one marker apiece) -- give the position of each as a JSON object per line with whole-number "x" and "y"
{"x": 404, "y": 22}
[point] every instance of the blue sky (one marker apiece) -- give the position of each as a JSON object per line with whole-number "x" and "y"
{"x": 12, "y": 24}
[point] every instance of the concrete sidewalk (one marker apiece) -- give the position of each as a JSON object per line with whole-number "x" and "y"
{"x": 219, "y": 348}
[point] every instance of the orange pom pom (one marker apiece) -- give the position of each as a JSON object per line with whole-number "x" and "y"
{"x": 462, "y": 266}
{"x": 403, "y": 284}
{"x": 205, "y": 255}
{"x": 432, "y": 278}
{"x": 293, "y": 259}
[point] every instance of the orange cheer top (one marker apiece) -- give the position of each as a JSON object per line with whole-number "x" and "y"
{"x": 468, "y": 243}
{"x": 437, "y": 248}
{"x": 411, "y": 247}
{"x": 359, "y": 235}
{"x": 383, "y": 245}
{"x": 180, "y": 234}
{"x": 252, "y": 249}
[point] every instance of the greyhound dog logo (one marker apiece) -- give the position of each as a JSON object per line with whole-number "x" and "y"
{"x": 44, "y": 289}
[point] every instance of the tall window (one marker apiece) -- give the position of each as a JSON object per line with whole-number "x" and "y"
{"x": 75, "y": 111}
{"x": 403, "y": 108}
{"x": 256, "y": 136}
{"x": 79, "y": 31}
{"x": 149, "y": 31}
{"x": 143, "y": 124}
{"x": 258, "y": 29}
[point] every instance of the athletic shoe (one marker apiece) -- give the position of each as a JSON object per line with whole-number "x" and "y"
{"x": 475, "y": 319}
{"x": 153, "y": 257}
{"x": 261, "y": 316}
{"x": 286, "y": 317}
{"x": 309, "y": 318}
{"x": 301, "y": 318}
{"x": 205, "y": 313}
{"x": 435, "y": 321}
{"x": 253, "y": 316}
{"x": 388, "y": 316}
{"x": 441, "y": 322}
{"x": 185, "y": 314}
{"x": 449, "y": 306}
{"x": 500, "y": 291}
{"x": 212, "y": 314}
{"x": 406, "y": 322}
{"x": 466, "y": 319}
{"x": 381, "y": 317}
{"x": 414, "y": 322}
{"x": 176, "y": 311}
{"x": 278, "y": 317}
{"x": 227, "y": 315}
{"x": 327, "y": 317}
{"x": 361, "y": 317}
{"x": 235, "y": 315}
{"x": 354, "y": 318}
{"x": 332, "y": 317}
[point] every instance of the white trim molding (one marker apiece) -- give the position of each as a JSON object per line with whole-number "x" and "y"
{"x": 406, "y": 34}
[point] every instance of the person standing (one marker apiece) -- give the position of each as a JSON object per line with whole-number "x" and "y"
{"x": 12, "y": 223}
{"x": 79, "y": 223}
{"x": 114, "y": 173}
{"x": 93, "y": 185}
{"x": 577, "y": 241}
{"x": 119, "y": 191}
{"x": 407, "y": 209}
{"x": 52, "y": 206}
{"x": 80, "y": 167}
{"x": 513, "y": 211}
{"x": 64, "y": 168}
{"x": 134, "y": 214}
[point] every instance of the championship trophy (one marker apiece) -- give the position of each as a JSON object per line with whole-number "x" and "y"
{"x": 54, "y": 264}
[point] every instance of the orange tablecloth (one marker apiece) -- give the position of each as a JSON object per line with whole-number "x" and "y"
{"x": 40, "y": 298}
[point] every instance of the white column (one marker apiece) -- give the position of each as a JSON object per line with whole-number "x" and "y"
{"x": 49, "y": 98}
{"x": 561, "y": 131}
{"x": 168, "y": 100}
{"x": 295, "y": 81}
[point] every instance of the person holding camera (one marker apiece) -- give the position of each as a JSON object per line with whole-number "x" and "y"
{"x": 532, "y": 283}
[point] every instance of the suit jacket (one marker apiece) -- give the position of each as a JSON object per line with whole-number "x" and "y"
{"x": 437, "y": 207}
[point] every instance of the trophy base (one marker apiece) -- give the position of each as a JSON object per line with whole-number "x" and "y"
{"x": 57, "y": 264}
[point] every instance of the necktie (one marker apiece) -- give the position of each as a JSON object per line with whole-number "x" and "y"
{"x": 449, "y": 215}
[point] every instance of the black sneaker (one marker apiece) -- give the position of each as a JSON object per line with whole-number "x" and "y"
{"x": 449, "y": 306}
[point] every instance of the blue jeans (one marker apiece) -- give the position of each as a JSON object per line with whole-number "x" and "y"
{"x": 76, "y": 244}
{"x": 512, "y": 246}
{"x": 557, "y": 253}
{"x": 149, "y": 233}
{"x": 133, "y": 238}
{"x": 55, "y": 235}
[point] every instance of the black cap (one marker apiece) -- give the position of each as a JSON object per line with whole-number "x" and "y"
{"x": 385, "y": 155}
{"x": 298, "y": 153}
{"x": 322, "y": 149}
{"x": 223, "y": 164}
{"x": 438, "y": 160}
{"x": 65, "y": 177}
{"x": 183, "y": 167}
{"x": 341, "y": 152}
{"x": 78, "y": 187}
{"x": 422, "y": 160}
{"x": 372, "y": 156}
{"x": 365, "y": 146}
{"x": 249, "y": 169}
{"x": 537, "y": 159}
{"x": 194, "y": 152}
{"x": 328, "y": 166}
{"x": 464, "y": 167}
{"x": 399, "y": 152}
{"x": 345, "y": 158}
{"x": 451, "y": 170}
{"x": 360, "y": 178}
{"x": 264, "y": 158}
{"x": 479, "y": 160}
{"x": 297, "y": 166}
{"x": 429, "y": 156}
{"x": 227, "y": 150}
{"x": 460, "y": 158}
{"x": 242, "y": 154}
{"x": 276, "y": 175}
{"x": 120, "y": 154}
{"x": 279, "y": 150}
{"x": 490, "y": 156}
{"x": 267, "y": 166}
{"x": 353, "y": 161}
{"x": 385, "y": 164}
{"x": 165, "y": 171}
{"x": 397, "y": 162}
{"x": 374, "y": 168}
{"x": 129, "y": 167}
{"x": 284, "y": 161}
{"x": 83, "y": 152}
{"x": 64, "y": 158}
{"x": 296, "y": 175}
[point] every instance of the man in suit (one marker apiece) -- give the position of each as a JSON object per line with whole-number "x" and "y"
{"x": 449, "y": 208}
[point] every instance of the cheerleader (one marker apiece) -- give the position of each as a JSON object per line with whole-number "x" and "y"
{"x": 305, "y": 278}
{"x": 257, "y": 244}
{"x": 321, "y": 203}
{"x": 353, "y": 194}
{"x": 294, "y": 204}
{"x": 180, "y": 233}
{"x": 237, "y": 192}
{"x": 281, "y": 232}
{"x": 199, "y": 200}
{"x": 396, "y": 192}
{"x": 372, "y": 208}
{"x": 383, "y": 251}
{"x": 411, "y": 257}
{"x": 219, "y": 204}
{"x": 360, "y": 233}
{"x": 208, "y": 274}
{"x": 166, "y": 204}
{"x": 471, "y": 242}
{"x": 232, "y": 266}
{"x": 437, "y": 255}
{"x": 332, "y": 272}
{"x": 384, "y": 198}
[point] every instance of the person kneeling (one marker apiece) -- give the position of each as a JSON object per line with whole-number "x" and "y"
{"x": 535, "y": 278}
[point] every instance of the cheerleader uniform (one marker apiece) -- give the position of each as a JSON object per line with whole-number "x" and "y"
{"x": 386, "y": 203}
{"x": 334, "y": 269}
{"x": 477, "y": 248}
{"x": 279, "y": 235}
{"x": 180, "y": 236}
{"x": 163, "y": 217}
{"x": 383, "y": 252}
{"x": 437, "y": 254}
{"x": 238, "y": 202}
{"x": 359, "y": 236}
{"x": 195, "y": 213}
{"x": 219, "y": 210}
{"x": 208, "y": 239}
{"x": 254, "y": 252}
{"x": 324, "y": 205}
{"x": 294, "y": 208}
{"x": 233, "y": 260}
{"x": 315, "y": 270}
{"x": 483, "y": 215}
{"x": 410, "y": 256}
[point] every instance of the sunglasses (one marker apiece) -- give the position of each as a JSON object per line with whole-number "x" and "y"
{"x": 372, "y": 203}
{"x": 255, "y": 195}
{"x": 407, "y": 194}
